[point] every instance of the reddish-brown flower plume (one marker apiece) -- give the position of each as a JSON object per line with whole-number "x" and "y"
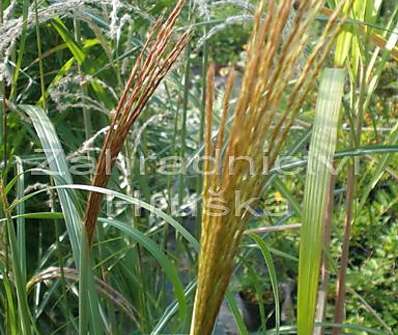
{"x": 159, "y": 53}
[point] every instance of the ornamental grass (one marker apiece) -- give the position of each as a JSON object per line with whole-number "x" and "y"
{"x": 158, "y": 55}
{"x": 258, "y": 132}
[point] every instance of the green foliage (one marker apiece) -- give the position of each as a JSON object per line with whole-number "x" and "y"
{"x": 149, "y": 258}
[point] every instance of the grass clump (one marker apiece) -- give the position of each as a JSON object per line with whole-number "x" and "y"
{"x": 258, "y": 130}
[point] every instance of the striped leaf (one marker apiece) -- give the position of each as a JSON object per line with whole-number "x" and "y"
{"x": 57, "y": 163}
{"x": 322, "y": 150}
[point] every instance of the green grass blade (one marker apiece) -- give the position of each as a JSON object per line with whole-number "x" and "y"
{"x": 136, "y": 202}
{"x": 11, "y": 324}
{"x": 89, "y": 317}
{"x": 135, "y": 234}
{"x": 272, "y": 274}
{"x": 40, "y": 55}
{"x": 172, "y": 309}
{"x": 322, "y": 149}
{"x": 24, "y": 315}
{"x": 163, "y": 260}
{"x": 133, "y": 201}
{"x": 37, "y": 216}
{"x": 234, "y": 309}
{"x": 73, "y": 46}
{"x": 58, "y": 165}
{"x": 21, "y": 234}
{"x": 88, "y": 300}
{"x": 21, "y": 50}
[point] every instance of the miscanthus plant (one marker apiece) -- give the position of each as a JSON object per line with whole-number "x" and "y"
{"x": 166, "y": 164}
{"x": 258, "y": 130}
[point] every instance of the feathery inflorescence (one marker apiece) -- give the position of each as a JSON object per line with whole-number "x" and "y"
{"x": 259, "y": 130}
{"x": 159, "y": 53}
